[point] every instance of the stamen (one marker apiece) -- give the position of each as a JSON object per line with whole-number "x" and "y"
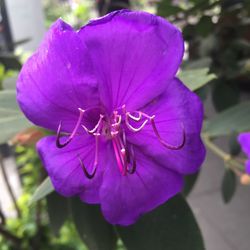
{"x": 118, "y": 122}
{"x": 134, "y": 117}
{"x": 124, "y": 155}
{"x": 87, "y": 174}
{"x": 165, "y": 144}
{"x": 151, "y": 119}
{"x": 133, "y": 129}
{"x": 116, "y": 125}
{"x": 58, "y": 134}
{"x": 118, "y": 157}
{"x": 97, "y": 126}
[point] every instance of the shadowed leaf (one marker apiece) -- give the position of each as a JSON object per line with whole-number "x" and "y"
{"x": 195, "y": 78}
{"x": 228, "y": 185}
{"x": 43, "y": 190}
{"x": 171, "y": 226}
{"x": 58, "y": 210}
{"x": 235, "y": 119}
{"x": 11, "y": 119}
{"x": 92, "y": 227}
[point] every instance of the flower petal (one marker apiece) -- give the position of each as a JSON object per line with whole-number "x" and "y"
{"x": 125, "y": 198}
{"x": 176, "y": 111}
{"x": 135, "y": 53}
{"x": 63, "y": 166}
{"x": 244, "y": 140}
{"x": 57, "y": 80}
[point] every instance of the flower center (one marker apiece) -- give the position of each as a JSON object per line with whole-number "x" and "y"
{"x": 113, "y": 128}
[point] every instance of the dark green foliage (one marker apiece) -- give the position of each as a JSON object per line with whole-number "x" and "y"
{"x": 58, "y": 210}
{"x": 234, "y": 146}
{"x": 234, "y": 119}
{"x": 171, "y": 226}
{"x": 228, "y": 185}
{"x": 92, "y": 227}
{"x": 205, "y": 26}
{"x": 224, "y": 94}
{"x": 190, "y": 181}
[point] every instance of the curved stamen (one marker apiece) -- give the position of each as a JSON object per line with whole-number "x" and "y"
{"x": 94, "y": 168}
{"x": 87, "y": 174}
{"x": 118, "y": 122}
{"x": 127, "y": 155}
{"x": 133, "y": 129}
{"x": 92, "y": 131}
{"x": 58, "y": 134}
{"x": 116, "y": 125}
{"x": 134, "y": 117}
{"x": 165, "y": 144}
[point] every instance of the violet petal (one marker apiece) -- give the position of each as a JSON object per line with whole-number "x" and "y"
{"x": 244, "y": 140}
{"x": 63, "y": 166}
{"x": 135, "y": 54}
{"x": 57, "y": 80}
{"x": 125, "y": 198}
{"x": 176, "y": 109}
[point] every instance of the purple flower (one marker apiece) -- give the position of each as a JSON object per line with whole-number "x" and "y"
{"x": 127, "y": 128}
{"x": 244, "y": 140}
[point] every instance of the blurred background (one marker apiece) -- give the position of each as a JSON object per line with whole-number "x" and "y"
{"x": 217, "y": 57}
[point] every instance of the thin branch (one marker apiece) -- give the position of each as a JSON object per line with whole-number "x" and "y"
{"x": 227, "y": 158}
{"x": 2, "y": 217}
{"x": 215, "y": 149}
{"x": 8, "y": 235}
{"x": 6, "y": 180}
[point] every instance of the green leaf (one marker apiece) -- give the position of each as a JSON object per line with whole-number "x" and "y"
{"x": 165, "y": 8}
{"x": 58, "y": 210}
{"x": 171, "y": 226}
{"x": 228, "y": 185}
{"x": 205, "y": 26}
{"x": 43, "y": 190}
{"x": 195, "y": 78}
{"x": 11, "y": 119}
{"x": 235, "y": 119}
{"x": 190, "y": 181}
{"x": 96, "y": 233}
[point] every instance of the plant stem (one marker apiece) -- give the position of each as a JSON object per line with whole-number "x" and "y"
{"x": 215, "y": 149}
{"x": 227, "y": 158}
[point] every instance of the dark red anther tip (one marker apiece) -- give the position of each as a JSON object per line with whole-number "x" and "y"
{"x": 87, "y": 174}
{"x": 58, "y": 136}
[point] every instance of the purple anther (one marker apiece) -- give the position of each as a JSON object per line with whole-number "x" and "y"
{"x": 87, "y": 174}
{"x": 165, "y": 144}
{"x": 94, "y": 168}
{"x": 61, "y": 145}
